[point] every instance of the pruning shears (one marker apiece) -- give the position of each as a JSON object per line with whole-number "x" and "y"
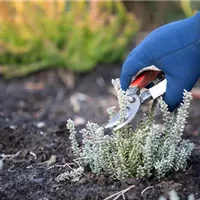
{"x": 152, "y": 79}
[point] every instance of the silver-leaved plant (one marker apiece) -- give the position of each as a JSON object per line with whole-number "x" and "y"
{"x": 174, "y": 196}
{"x": 150, "y": 150}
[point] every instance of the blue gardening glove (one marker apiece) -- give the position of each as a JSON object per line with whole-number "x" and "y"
{"x": 173, "y": 48}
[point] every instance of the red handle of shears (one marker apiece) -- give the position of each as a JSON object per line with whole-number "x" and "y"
{"x": 145, "y": 78}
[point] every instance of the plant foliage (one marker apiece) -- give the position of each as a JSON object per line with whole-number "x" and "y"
{"x": 75, "y": 34}
{"x": 151, "y": 150}
{"x": 174, "y": 196}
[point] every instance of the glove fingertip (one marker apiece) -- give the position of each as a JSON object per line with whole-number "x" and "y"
{"x": 170, "y": 103}
{"x": 127, "y": 72}
{"x": 125, "y": 81}
{"x": 173, "y": 98}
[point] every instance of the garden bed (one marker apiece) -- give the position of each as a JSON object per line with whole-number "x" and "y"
{"x": 34, "y": 139}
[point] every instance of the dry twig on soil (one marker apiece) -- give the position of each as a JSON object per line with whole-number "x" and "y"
{"x": 147, "y": 188}
{"x": 120, "y": 193}
{"x": 4, "y": 156}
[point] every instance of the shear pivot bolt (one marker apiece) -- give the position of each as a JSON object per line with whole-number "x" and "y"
{"x": 131, "y": 99}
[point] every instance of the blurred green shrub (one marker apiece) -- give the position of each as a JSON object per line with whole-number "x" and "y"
{"x": 188, "y": 7}
{"x": 76, "y": 35}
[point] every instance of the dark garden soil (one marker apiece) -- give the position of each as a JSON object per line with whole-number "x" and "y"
{"x": 34, "y": 140}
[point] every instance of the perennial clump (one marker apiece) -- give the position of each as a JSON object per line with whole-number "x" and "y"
{"x": 150, "y": 150}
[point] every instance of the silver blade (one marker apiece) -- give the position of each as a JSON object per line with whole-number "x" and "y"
{"x": 131, "y": 111}
{"x": 115, "y": 120}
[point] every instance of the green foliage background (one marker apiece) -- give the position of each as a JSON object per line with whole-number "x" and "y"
{"x": 76, "y": 35}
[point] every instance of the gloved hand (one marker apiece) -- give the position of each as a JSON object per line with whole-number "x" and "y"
{"x": 173, "y": 48}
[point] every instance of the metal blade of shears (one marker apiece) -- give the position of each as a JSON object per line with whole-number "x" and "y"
{"x": 134, "y": 107}
{"x": 131, "y": 112}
